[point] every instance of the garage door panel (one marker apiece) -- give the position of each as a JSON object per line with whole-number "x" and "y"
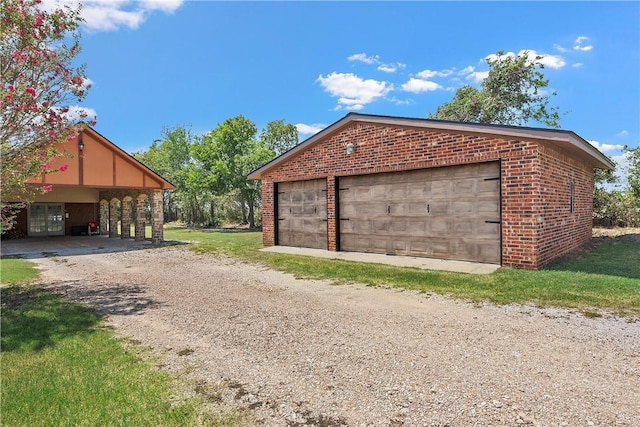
{"x": 302, "y": 214}
{"x": 439, "y": 212}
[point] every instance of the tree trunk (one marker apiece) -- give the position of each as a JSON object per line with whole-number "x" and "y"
{"x": 252, "y": 219}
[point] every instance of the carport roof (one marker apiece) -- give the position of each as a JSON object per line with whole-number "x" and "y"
{"x": 565, "y": 139}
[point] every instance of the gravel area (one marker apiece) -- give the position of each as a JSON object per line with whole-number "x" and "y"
{"x": 303, "y": 352}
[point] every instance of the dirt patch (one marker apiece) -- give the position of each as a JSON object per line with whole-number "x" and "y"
{"x": 308, "y": 353}
{"x": 618, "y": 233}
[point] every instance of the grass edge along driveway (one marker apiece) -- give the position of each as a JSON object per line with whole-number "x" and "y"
{"x": 606, "y": 278}
{"x": 62, "y": 366}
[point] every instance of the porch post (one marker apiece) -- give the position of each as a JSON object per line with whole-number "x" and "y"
{"x": 125, "y": 224}
{"x": 140, "y": 217}
{"x": 157, "y": 216}
{"x": 113, "y": 218}
{"x": 104, "y": 217}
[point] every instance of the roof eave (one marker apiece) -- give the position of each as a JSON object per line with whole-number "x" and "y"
{"x": 570, "y": 138}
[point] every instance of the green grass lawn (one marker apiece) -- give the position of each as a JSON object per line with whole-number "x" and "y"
{"x": 16, "y": 270}
{"x": 606, "y": 278}
{"x": 61, "y": 366}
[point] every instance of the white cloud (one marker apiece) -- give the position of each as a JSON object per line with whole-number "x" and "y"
{"x": 362, "y": 57}
{"x": 304, "y": 129}
{"x": 77, "y": 113}
{"x": 427, "y": 74}
{"x": 623, "y": 133}
{"x": 577, "y": 45}
{"x": 560, "y": 48}
{"x": 606, "y": 147}
{"x": 548, "y": 60}
{"x": 471, "y": 74}
{"x": 577, "y": 65}
{"x": 111, "y": 15}
{"x": 391, "y": 68}
{"x": 353, "y": 92}
{"x": 418, "y": 85}
{"x": 166, "y": 6}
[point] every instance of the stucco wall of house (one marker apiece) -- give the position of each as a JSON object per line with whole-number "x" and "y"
{"x": 531, "y": 174}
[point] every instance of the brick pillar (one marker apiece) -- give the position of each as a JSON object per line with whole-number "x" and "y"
{"x": 113, "y": 218}
{"x": 125, "y": 224}
{"x": 140, "y": 205}
{"x": 104, "y": 217}
{"x": 157, "y": 216}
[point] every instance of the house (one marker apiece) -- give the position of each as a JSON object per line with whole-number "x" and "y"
{"x": 514, "y": 196}
{"x": 99, "y": 183}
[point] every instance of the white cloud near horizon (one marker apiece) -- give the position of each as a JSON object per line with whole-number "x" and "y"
{"x": 111, "y": 15}
{"x": 312, "y": 129}
{"x": 352, "y": 91}
{"x": 606, "y": 147}
{"x": 623, "y": 133}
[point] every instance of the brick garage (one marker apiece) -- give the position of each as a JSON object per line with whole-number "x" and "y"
{"x": 508, "y": 195}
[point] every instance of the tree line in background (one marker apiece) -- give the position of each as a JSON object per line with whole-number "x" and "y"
{"x": 210, "y": 171}
{"x": 618, "y": 207}
{"x": 39, "y": 81}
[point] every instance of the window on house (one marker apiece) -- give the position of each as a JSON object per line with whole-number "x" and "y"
{"x": 572, "y": 196}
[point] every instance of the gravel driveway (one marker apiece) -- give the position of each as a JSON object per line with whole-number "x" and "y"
{"x": 303, "y": 352}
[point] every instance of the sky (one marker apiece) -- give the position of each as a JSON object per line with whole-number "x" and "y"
{"x": 156, "y": 64}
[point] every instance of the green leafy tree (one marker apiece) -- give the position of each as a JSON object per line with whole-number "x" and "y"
{"x": 633, "y": 154}
{"x": 279, "y": 137}
{"x": 170, "y": 156}
{"x": 514, "y": 93}
{"x": 222, "y": 152}
{"x": 38, "y": 83}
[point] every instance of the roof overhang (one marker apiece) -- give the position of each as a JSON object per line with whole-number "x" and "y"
{"x": 567, "y": 140}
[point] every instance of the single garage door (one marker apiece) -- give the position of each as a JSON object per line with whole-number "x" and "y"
{"x": 448, "y": 212}
{"x": 302, "y": 214}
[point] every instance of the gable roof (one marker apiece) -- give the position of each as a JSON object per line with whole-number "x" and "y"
{"x": 130, "y": 160}
{"x": 568, "y": 140}
{"x": 101, "y": 164}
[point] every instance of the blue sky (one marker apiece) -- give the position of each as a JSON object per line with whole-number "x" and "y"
{"x": 156, "y": 64}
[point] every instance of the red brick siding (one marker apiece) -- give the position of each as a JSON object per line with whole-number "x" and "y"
{"x": 560, "y": 230}
{"x": 381, "y": 148}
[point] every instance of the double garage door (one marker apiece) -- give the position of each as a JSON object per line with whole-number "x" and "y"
{"x": 449, "y": 212}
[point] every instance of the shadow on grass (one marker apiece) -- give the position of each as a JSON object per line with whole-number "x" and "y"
{"x": 123, "y": 300}
{"x": 34, "y": 319}
{"x": 611, "y": 256}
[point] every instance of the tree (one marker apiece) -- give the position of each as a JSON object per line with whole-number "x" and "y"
{"x": 511, "y": 94}
{"x": 221, "y": 153}
{"x": 170, "y": 156}
{"x": 633, "y": 155}
{"x": 38, "y": 82}
{"x": 279, "y": 137}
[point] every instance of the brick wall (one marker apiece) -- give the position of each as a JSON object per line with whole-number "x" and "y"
{"x": 560, "y": 229}
{"x": 525, "y": 169}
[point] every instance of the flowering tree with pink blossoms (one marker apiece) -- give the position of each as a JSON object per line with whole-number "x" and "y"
{"x": 38, "y": 84}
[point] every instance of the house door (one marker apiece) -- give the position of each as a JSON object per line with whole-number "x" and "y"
{"x": 46, "y": 219}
